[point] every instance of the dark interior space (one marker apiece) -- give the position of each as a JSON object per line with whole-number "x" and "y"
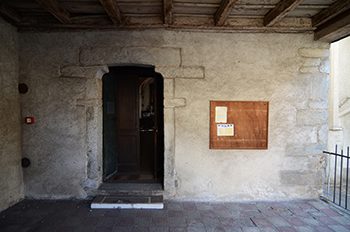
{"x": 133, "y": 131}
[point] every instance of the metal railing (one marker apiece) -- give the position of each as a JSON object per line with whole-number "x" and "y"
{"x": 337, "y": 173}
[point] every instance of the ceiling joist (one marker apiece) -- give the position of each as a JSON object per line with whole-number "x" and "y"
{"x": 112, "y": 9}
{"x": 224, "y": 11}
{"x": 56, "y": 10}
{"x": 280, "y": 11}
{"x": 330, "y": 12}
{"x": 168, "y": 12}
{"x": 334, "y": 29}
{"x": 9, "y": 13}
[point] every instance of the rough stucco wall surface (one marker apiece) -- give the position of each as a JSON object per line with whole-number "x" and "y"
{"x": 343, "y": 73}
{"x": 11, "y": 179}
{"x": 288, "y": 70}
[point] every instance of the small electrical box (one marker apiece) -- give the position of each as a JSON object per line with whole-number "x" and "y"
{"x": 29, "y": 120}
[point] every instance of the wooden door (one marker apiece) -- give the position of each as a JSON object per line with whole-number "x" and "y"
{"x": 128, "y": 143}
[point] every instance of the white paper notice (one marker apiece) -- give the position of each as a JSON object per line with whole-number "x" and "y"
{"x": 225, "y": 130}
{"x": 220, "y": 114}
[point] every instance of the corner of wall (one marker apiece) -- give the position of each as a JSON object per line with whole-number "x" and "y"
{"x": 11, "y": 177}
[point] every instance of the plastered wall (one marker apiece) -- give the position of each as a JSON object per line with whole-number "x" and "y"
{"x": 64, "y": 70}
{"x": 11, "y": 178}
{"x": 340, "y": 95}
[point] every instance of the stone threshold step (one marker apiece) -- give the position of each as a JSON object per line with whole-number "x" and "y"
{"x": 127, "y": 202}
{"x": 136, "y": 189}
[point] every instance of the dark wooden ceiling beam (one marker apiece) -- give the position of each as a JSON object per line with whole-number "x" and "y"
{"x": 280, "y": 11}
{"x": 168, "y": 12}
{"x": 113, "y": 11}
{"x": 335, "y": 9}
{"x": 56, "y": 10}
{"x": 223, "y": 12}
{"x": 335, "y": 28}
{"x": 9, "y": 14}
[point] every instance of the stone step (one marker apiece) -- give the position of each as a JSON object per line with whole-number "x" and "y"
{"x": 127, "y": 202}
{"x": 130, "y": 189}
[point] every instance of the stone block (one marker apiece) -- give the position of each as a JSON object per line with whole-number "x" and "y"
{"x": 84, "y": 72}
{"x": 168, "y": 88}
{"x": 312, "y": 62}
{"x": 302, "y": 178}
{"x": 318, "y": 104}
{"x": 169, "y": 149}
{"x": 304, "y": 150}
{"x": 190, "y": 72}
{"x": 174, "y": 102}
{"x": 302, "y": 163}
{"x": 319, "y": 87}
{"x": 309, "y": 69}
{"x": 325, "y": 66}
{"x": 303, "y": 135}
{"x": 323, "y": 134}
{"x": 157, "y": 56}
{"x": 311, "y": 117}
{"x": 314, "y": 52}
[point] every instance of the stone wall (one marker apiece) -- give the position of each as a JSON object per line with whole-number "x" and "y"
{"x": 11, "y": 179}
{"x": 290, "y": 71}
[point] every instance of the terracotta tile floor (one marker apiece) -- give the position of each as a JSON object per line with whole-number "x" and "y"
{"x": 312, "y": 215}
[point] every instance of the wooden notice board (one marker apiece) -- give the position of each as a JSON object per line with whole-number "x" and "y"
{"x": 239, "y": 124}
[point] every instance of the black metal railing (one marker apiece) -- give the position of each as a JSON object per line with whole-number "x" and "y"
{"x": 337, "y": 173}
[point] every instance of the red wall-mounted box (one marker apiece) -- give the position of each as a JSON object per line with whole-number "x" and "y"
{"x": 29, "y": 120}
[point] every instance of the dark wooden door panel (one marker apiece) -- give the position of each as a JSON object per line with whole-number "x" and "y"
{"x": 127, "y": 124}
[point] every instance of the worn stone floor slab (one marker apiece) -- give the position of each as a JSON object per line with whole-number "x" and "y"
{"x": 303, "y": 216}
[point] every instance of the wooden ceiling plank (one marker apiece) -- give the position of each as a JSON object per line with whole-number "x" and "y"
{"x": 9, "y": 13}
{"x": 334, "y": 29}
{"x": 113, "y": 11}
{"x": 280, "y": 11}
{"x": 56, "y": 10}
{"x": 224, "y": 11}
{"x": 168, "y": 6}
{"x": 335, "y": 9}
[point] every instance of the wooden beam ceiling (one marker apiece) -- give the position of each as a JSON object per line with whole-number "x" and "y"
{"x": 224, "y": 11}
{"x": 280, "y": 11}
{"x": 330, "y": 20}
{"x": 56, "y": 10}
{"x": 335, "y": 9}
{"x": 112, "y": 9}
{"x": 335, "y": 28}
{"x": 168, "y": 12}
{"x": 9, "y": 13}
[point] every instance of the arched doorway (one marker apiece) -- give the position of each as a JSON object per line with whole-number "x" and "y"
{"x": 133, "y": 125}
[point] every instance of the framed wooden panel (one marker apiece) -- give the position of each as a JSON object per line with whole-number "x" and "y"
{"x": 245, "y": 125}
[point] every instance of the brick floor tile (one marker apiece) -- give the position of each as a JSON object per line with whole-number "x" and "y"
{"x": 278, "y": 221}
{"x": 248, "y": 206}
{"x": 143, "y": 221}
{"x": 176, "y": 221}
{"x": 342, "y": 220}
{"x": 323, "y": 229}
{"x": 262, "y": 222}
{"x": 339, "y": 228}
{"x": 189, "y": 206}
{"x": 295, "y": 221}
{"x": 312, "y": 221}
{"x": 177, "y": 229}
{"x": 331, "y": 212}
{"x": 215, "y": 229}
{"x": 103, "y": 228}
{"x": 268, "y": 229}
{"x": 250, "y": 229}
{"x": 286, "y": 229}
{"x": 204, "y": 206}
{"x": 36, "y": 216}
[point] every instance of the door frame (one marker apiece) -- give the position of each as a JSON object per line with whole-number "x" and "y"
{"x": 159, "y": 159}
